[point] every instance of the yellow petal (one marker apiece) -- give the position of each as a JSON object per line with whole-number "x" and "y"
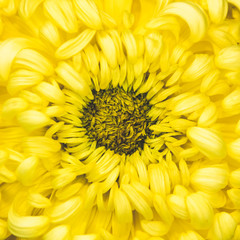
{"x": 208, "y": 116}
{"x": 137, "y": 201}
{"x": 87, "y": 237}
{"x": 63, "y": 210}
{"x": 50, "y": 32}
{"x": 6, "y": 175}
{"x": 162, "y": 209}
{"x": 88, "y": 12}
{"x": 51, "y": 93}
{"x": 122, "y": 207}
{"x": 190, "y": 104}
{"x": 108, "y": 48}
{"x": 75, "y": 45}
{"x": 61, "y": 232}
{"x": 178, "y": 207}
{"x": 33, "y": 60}
{"x": 208, "y": 142}
{"x": 217, "y": 10}
{"x": 62, "y": 13}
{"x": 129, "y": 42}
{"x": 12, "y": 107}
{"x": 231, "y": 102}
{"x": 201, "y": 65}
{"x": 41, "y": 146}
{"x": 73, "y": 80}
{"x": 155, "y": 228}
{"x": 3, "y": 229}
{"x": 23, "y": 79}
{"x": 26, "y": 171}
{"x": 223, "y": 227}
{"x": 234, "y": 149}
{"x": 37, "y": 200}
{"x": 234, "y": 178}
{"x": 210, "y": 179}
{"x": 228, "y": 58}
{"x": 32, "y": 120}
{"x": 200, "y": 211}
{"x": 181, "y": 125}
{"x": 28, "y": 7}
{"x": 190, "y": 235}
{"x": 234, "y": 196}
{"x": 116, "y": 8}
{"x": 196, "y": 18}
{"x": 159, "y": 179}
{"x": 153, "y": 46}
{"x": 8, "y": 51}
{"x": 27, "y": 227}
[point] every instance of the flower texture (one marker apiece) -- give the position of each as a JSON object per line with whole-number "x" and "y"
{"x": 120, "y": 119}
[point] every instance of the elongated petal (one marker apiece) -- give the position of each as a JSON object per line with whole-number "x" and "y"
{"x": 63, "y": 210}
{"x": 27, "y": 227}
{"x": 88, "y": 12}
{"x": 155, "y": 228}
{"x": 234, "y": 178}
{"x": 234, "y": 149}
{"x": 73, "y": 80}
{"x": 32, "y": 120}
{"x": 217, "y": 10}
{"x": 62, "y": 13}
{"x": 196, "y": 18}
{"x": 51, "y": 93}
{"x": 12, "y": 107}
{"x": 208, "y": 142}
{"x": 229, "y": 58}
{"x": 75, "y": 45}
{"x": 8, "y": 51}
{"x": 61, "y": 232}
{"x": 200, "y": 211}
{"x": 123, "y": 208}
{"x": 28, "y": 7}
{"x": 223, "y": 226}
{"x": 26, "y": 171}
{"x": 210, "y": 179}
{"x": 138, "y": 202}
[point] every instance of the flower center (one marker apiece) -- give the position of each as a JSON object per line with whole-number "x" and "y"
{"x": 117, "y": 120}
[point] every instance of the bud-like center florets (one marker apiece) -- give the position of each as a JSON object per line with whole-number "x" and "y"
{"x": 117, "y": 120}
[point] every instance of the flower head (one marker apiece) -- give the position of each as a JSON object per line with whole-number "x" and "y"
{"x": 119, "y": 119}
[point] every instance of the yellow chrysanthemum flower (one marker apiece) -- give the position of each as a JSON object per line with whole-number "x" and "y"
{"x": 120, "y": 119}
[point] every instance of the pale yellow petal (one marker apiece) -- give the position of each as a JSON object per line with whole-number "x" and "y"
{"x": 32, "y": 120}
{"x": 196, "y": 17}
{"x": 28, "y": 7}
{"x": 12, "y": 107}
{"x": 217, "y": 10}
{"x": 63, "y": 210}
{"x": 210, "y": 179}
{"x": 27, "y": 226}
{"x": 122, "y": 208}
{"x": 75, "y": 45}
{"x": 229, "y": 58}
{"x": 27, "y": 170}
{"x": 88, "y": 12}
{"x": 223, "y": 227}
{"x": 200, "y": 211}
{"x": 208, "y": 142}
{"x": 61, "y": 232}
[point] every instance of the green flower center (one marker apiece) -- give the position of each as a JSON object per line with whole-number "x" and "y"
{"x": 117, "y": 120}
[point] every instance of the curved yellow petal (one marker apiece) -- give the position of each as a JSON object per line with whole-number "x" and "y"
{"x": 75, "y": 45}
{"x": 27, "y": 226}
{"x": 217, "y": 10}
{"x": 195, "y": 17}
{"x": 208, "y": 142}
